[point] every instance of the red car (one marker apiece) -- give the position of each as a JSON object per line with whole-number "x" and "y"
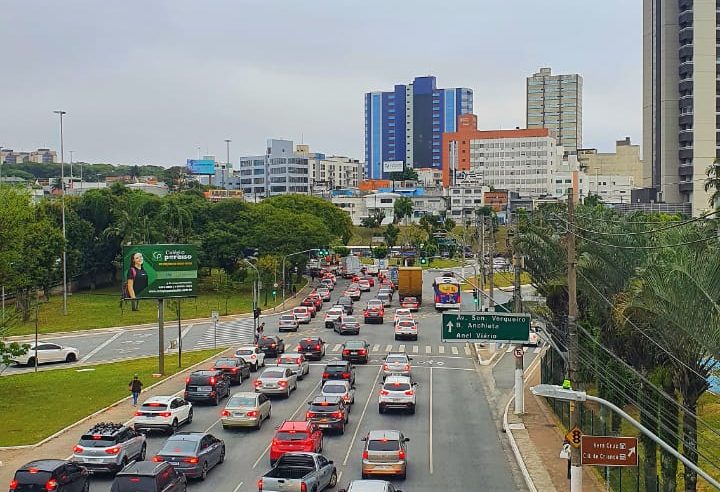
{"x": 316, "y": 299}
{"x": 386, "y": 282}
{"x": 370, "y": 280}
{"x": 374, "y": 311}
{"x": 295, "y": 436}
{"x": 412, "y": 303}
{"x": 309, "y": 303}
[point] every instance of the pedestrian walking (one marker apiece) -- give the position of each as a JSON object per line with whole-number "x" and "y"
{"x": 135, "y": 387}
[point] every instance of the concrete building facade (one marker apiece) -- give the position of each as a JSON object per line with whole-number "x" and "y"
{"x": 625, "y": 161}
{"x": 280, "y": 171}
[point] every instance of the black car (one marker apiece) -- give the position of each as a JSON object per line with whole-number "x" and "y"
{"x": 57, "y": 475}
{"x": 346, "y": 303}
{"x": 272, "y": 346}
{"x": 312, "y": 348}
{"x": 356, "y": 351}
{"x": 149, "y": 476}
{"x": 192, "y": 453}
{"x": 211, "y": 385}
{"x": 339, "y": 369}
{"x": 235, "y": 368}
{"x": 328, "y": 412}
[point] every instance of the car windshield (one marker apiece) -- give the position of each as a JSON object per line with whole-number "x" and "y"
{"x": 397, "y": 386}
{"x": 395, "y": 358}
{"x": 383, "y": 445}
{"x": 179, "y": 446}
{"x": 354, "y": 344}
{"x": 338, "y": 389}
{"x": 290, "y": 436}
{"x": 273, "y": 374}
{"x": 241, "y": 401}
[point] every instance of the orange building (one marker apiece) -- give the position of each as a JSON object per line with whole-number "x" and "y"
{"x": 374, "y": 184}
{"x": 467, "y": 132}
{"x": 498, "y": 200}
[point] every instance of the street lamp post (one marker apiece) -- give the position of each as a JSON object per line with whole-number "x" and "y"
{"x": 227, "y": 161}
{"x": 62, "y": 186}
{"x": 255, "y": 295}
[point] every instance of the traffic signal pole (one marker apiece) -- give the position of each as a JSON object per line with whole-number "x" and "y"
{"x": 519, "y": 361}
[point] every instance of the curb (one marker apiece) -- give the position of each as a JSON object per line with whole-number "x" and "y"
{"x": 112, "y": 405}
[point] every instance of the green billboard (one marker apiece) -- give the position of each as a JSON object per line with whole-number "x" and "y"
{"x": 156, "y": 271}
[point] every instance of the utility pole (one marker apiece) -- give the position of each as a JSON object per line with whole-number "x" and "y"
{"x": 161, "y": 336}
{"x": 61, "y": 113}
{"x": 491, "y": 266}
{"x": 519, "y": 361}
{"x": 575, "y": 466}
{"x": 481, "y": 232}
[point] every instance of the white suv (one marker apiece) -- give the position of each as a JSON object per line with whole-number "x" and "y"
{"x": 252, "y": 355}
{"x": 397, "y": 392}
{"x": 109, "y": 447}
{"x": 406, "y": 328}
{"x": 163, "y": 413}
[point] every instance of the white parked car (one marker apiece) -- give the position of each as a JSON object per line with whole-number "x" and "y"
{"x": 252, "y": 355}
{"x": 397, "y": 392}
{"x": 165, "y": 413}
{"x": 48, "y": 352}
{"x": 296, "y": 362}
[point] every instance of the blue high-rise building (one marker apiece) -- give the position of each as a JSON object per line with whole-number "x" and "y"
{"x": 407, "y": 123}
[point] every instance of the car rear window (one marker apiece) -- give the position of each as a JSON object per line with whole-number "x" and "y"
{"x": 354, "y": 344}
{"x": 204, "y": 380}
{"x": 154, "y": 406}
{"x": 309, "y": 342}
{"x": 324, "y": 407}
{"x": 383, "y": 445}
{"x": 181, "y": 446}
{"x": 396, "y": 386}
{"x": 241, "y": 401}
{"x": 288, "y": 317}
{"x": 395, "y": 358}
{"x": 291, "y": 436}
{"x": 131, "y": 483}
{"x": 349, "y": 319}
{"x": 334, "y": 389}
{"x": 273, "y": 374}
{"x": 96, "y": 441}
{"x": 37, "y": 478}
{"x": 335, "y": 368}
{"x": 225, "y": 363}
{"x": 288, "y": 360}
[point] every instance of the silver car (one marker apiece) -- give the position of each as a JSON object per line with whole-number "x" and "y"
{"x": 288, "y": 322}
{"x": 108, "y": 447}
{"x": 246, "y": 410}
{"x": 385, "y": 453}
{"x": 385, "y": 298}
{"x": 370, "y": 486}
{"x": 339, "y": 388}
{"x": 276, "y": 381}
{"x": 303, "y": 314}
{"x": 296, "y": 362}
{"x": 397, "y": 363}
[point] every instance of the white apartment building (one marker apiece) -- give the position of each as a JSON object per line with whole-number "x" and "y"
{"x": 335, "y": 171}
{"x": 464, "y": 199}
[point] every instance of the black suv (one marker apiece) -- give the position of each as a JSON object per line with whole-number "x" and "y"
{"x": 235, "y": 368}
{"x": 148, "y": 476}
{"x": 211, "y": 385}
{"x": 346, "y": 303}
{"x": 311, "y": 348}
{"x": 339, "y": 369}
{"x": 57, "y": 475}
{"x": 272, "y": 346}
{"x": 328, "y": 412}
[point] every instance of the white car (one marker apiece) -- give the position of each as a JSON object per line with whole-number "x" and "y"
{"x": 406, "y": 328}
{"x": 252, "y": 355}
{"x": 334, "y": 313}
{"x": 47, "y": 352}
{"x": 343, "y": 389}
{"x": 303, "y": 314}
{"x": 402, "y": 313}
{"x": 288, "y": 322}
{"x": 397, "y": 392}
{"x": 276, "y": 381}
{"x": 296, "y": 362}
{"x": 163, "y": 413}
{"x": 534, "y": 338}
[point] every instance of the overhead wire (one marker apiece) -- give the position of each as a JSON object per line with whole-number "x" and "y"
{"x": 651, "y": 231}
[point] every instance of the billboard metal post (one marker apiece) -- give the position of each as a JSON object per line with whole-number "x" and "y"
{"x": 179, "y": 334}
{"x": 161, "y": 336}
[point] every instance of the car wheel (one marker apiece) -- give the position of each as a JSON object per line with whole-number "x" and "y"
{"x": 217, "y": 400}
{"x": 30, "y": 362}
{"x": 174, "y": 427}
{"x": 190, "y": 417}
{"x": 86, "y": 487}
{"x": 204, "y": 472}
{"x": 333, "y": 480}
{"x": 71, "y": 357}
{"x": 288, "y": 393}
{"x": 143, "y": 453}
{"x": 123, "y": 463}
{"x": 403, "y": 475}
{"x": 342, "y": 429}
{"x": 259, "y": 424}
{"x": 365, "y": 476}
{"x": 222, "y": 456}
{"x": 381, "y": 409}
{"x": 412, "y": 410}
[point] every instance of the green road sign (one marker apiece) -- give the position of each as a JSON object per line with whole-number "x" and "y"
{"x": 156, "y": 271}
{"x": 496, "y": 327}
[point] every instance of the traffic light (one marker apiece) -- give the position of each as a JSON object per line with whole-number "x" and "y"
{"x": 476, "y": 295}
{"x": 423, "y": 261}
{"x": 256, "y": 312}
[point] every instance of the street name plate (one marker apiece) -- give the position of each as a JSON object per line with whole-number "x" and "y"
{"x": 609, "y": 451}
{"x": 495, "y": 327}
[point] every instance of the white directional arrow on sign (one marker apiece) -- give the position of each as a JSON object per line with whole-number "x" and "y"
{"x": 631, "y": 451}
{"x": 449, "y": 326}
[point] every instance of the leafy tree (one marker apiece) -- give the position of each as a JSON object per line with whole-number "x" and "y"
{"x": 175, "y": 220}
{"x": 408, "y": 174}
{"x": 391, "y": 235}
{"x": 374, "y": 220}
{"x": 268, "y": 266}
{"x": 403, "y": 208}
{"x": 336, "y": 220}
{"x": 414, "y": 236}
{"x": 9, "y": 350}
{"x": 712, "y": 182}
{"x": 222, "y": 248}
{"x": 380, "y": 252}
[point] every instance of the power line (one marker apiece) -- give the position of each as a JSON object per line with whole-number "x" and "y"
{"x": 652, "y": 231}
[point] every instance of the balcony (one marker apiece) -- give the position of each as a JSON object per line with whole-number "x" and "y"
{"x": 686, "y": 186}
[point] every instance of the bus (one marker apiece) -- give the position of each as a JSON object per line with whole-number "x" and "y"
{"x": 447, "y": 293}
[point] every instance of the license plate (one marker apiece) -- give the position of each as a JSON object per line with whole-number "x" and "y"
{"x": 238, "y": 414}
{"x": 324, "y": 426}
{"x": 205, "y": 388}
{"x": 270, "y": 385}
{"x": 396, "y": 399}
{"x": 354, "y": 352}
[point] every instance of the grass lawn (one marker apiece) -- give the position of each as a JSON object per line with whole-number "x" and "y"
{"x": 36, "y": 405}
{"x": 102, "y": 309}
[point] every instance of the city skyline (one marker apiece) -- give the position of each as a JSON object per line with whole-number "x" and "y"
{"x": 148, "y": 90}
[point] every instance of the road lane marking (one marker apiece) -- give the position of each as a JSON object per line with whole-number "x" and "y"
{"x": 401, "y": 348}
{"x": 376, "y": 348}
{"x": 238, "y": 487}
{"x": 362, "y": 415}
{"x": 441, "y": 349}
{"x": 336, "y": 348}
{"x": 509, "y": 349}
{"x": 428, "y": 349}
{"x": 430, "y": 441}
{"x": 388, "y": 348}
{"x": 102, "y": 346}
{"x": 416, "y": 349}
{"x": 454, "y": 350}
{"x": 467, "y": 349}
{"x": 302, "y": 404}
{"x": 537, "y": 350}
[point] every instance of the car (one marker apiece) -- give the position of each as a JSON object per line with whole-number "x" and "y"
{"x": 401, "y": 313}
{"x": 339, "y": 369}
{"x": 330, "y": 277}
{"x": 370, "y": 486}
{"x": 276, "y": 381}
{"x": 58, "y": 475}
{"x": 310, "y": 304}
{"x": 386, "y": 282}
{"x": 343, "y": 389}
{"x": 397, "y": 363}
{"x": 364, "y": 285}
{"x": 328, "y": 412}
{"x": 347, "y": 324}
{"x": 410, "y": 302}
{"x": 324, "y": 293}
{"x": 372, "y": 270}
{"x": 370, "y": 280}
{"x": 46, "y": 352}
{"x": 296, "y": 362}
{"x": 208, "y": 386}
{"x": 327, "y": 283}
{"x": 108, "y": 447}
{"x": 334, "y": 313}
{"x": 149, "y": 476}
{"x": 397, "y": 392}
{"x": 288, "y": 322}
{"x": 165, "y": 413}
{"x": 385, "y": 298}
{"x": 534, "y": 337}
{"x": 193, "y": 454}
{"x": 272, "y": 346}
{"x": 252, "y": 355}
{"x": 312, "y": 348}
{"x": 406, "y": 328}
{"x": 385, "y": 453}
{"x": 346, "y": 303}
{"x": 374, "y": 311}
{"x": 234, "y": 368}
{"x": 386, "y": 290}
{"x": 302, "y": 314}
{"x": 295, "y": 436}
{"x": 300, "y": 472}
{"x": 353, "y": 293}
{"x": 246, "y": 409}
{"x": 357, "y": 351}
{"x": 315, "y": 297}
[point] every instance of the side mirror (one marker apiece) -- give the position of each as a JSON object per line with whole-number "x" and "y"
{"x": 309, "y": 403}
{"x": 415, "y": 384}
{"x": 410, "y": 358}
{"x": 407, "y": 439}
{"x": 363, "y": 439}
{"x": 331, "y": 462}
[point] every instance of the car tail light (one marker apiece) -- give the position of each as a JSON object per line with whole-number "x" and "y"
{"x": 234, "y": 369}
{"x": 187, "y": 380}
{"x": 406, "y": 367}
{"x": 346, "y": 375}
{"x": 384, "y": 392}
{"x": 385, "y": 367}
{"x": 157, "y": 459}
{"x": 282, "y": 384}
{"x": 51, "y": 484}
{"x": 365, "y": 455}
{"x": 13, "y": 485}
{"x": 409, "y": 392}
{"x": 325, "y": 375}
{"x": 260, "y": 485}
{"x": 257, "y": 383}
{"x": 303, "y": 487}
{"x": 309, "y": 415}
{"x": 337, "y": 415}
{"x": 253, "y": 356}
{"x": 346, "y": 352}
{"x": 317, "y": 347}
{"x": 272, "y": 345}
{"x": 252, "y": 413}
{"x": 298, "y": 360}
{"x": 362, "y": 351}
{"x": 165, "y": 414}
{"x": 299, "y": 348}
{"x": 113, "y": 450}
{"x": 212, "y": 380}
{"x": 192, "y": 461}
{"x": 401, "y": 454}
{"x": 277, "y": 361}
{"x": 225, "y": 413}
{"x": 138, "y": 413}
{"x": 78, "y": 449}
{"x": 437, "y": 298}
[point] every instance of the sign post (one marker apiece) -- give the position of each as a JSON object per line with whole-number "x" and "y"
{"x": 609, "y": 451}
{"x": 495, "y": 327}
{"x": 215, "y": 316}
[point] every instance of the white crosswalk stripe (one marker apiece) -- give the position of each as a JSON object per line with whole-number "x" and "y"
{"x": 509, "y": 349}
{"x": 233, "y": 332}
{"x": 428, "y": 349}
{"x": 454, "y": 350}
{"x": 401, "y": 348}
{"x": 537, "y": 350}
{"x": 441, "y": 349}
{"x": 416, "y": 349}
{"x": 336, "y": 348}
{"x": 467, "y": 350}
{"x": 388, "y": 348}
{"x": 376, "y": 347}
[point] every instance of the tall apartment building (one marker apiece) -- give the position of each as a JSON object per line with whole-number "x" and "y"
{"x": 555, "y": 102}
{"x": 680, "y": 72}
{"x": 329, "y": 172}
{"x": 520, "y": 160}
{"x": 39, "y": 156}
{"x": 407, "y": 123}
{"x": 278, "y": 172}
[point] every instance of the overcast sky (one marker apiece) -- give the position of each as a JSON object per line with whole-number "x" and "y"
{"x": 148, "y": 81}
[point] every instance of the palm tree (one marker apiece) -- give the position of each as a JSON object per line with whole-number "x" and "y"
{"x": 176, "y": 220}
{"x": 712, "y": 182}
{"x": 403, "y": 209}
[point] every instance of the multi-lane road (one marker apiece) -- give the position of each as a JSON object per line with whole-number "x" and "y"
{"x": 455, "y": 442}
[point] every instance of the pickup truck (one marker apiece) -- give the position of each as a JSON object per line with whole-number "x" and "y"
{"x": 300, "y": 472}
